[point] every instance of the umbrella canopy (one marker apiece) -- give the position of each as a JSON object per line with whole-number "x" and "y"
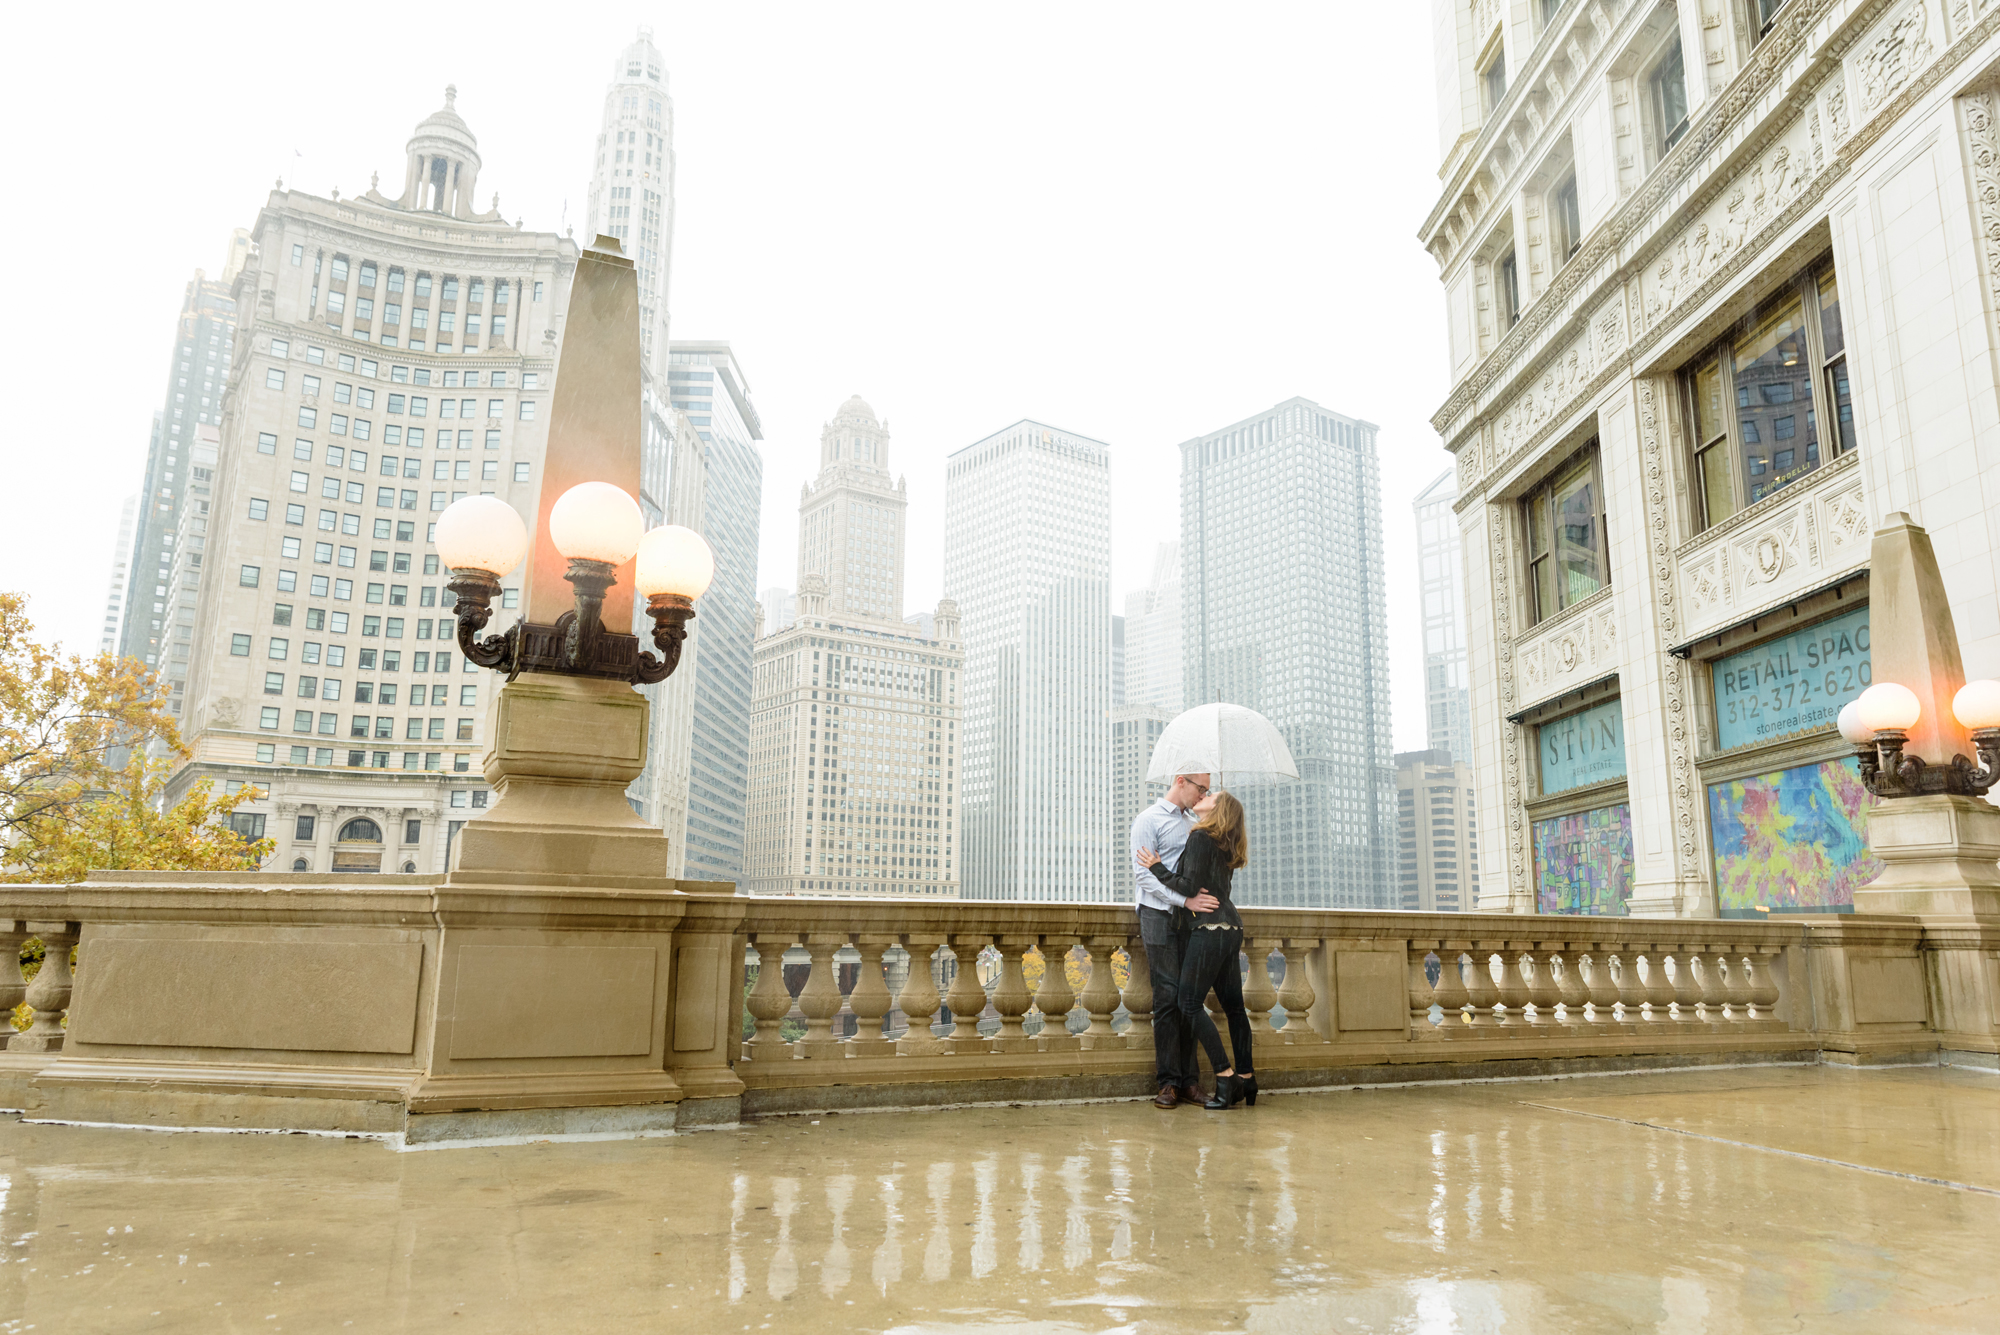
{"x": 1227, "y": 741}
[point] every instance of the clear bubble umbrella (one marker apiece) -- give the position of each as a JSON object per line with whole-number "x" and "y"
{"x": 1236, "y": 745}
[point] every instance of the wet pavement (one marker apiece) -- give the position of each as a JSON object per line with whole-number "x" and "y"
{"x": 1815, "y": 1199}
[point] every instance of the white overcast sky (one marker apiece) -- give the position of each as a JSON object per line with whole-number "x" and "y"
{"x": 1141, "y": 222}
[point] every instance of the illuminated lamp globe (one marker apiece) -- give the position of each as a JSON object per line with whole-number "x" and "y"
{"x": 1977, "y": 704}
{"x": 481, "y": 533}
{"x": 1888, "y": 704}
{"x": 673, "y": 559}
{"x": 595, "y": 521}
{"x": 1850, "y": 724}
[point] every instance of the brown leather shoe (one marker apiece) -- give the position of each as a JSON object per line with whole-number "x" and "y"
{"x": 1191, "y": 1094}
{"x": 1167, "y": 1097}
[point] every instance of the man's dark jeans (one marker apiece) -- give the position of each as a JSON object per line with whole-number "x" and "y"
{"x": 1173, "y": 1040}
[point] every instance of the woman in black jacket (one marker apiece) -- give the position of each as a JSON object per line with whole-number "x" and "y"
{"x": 1216, "y": 847}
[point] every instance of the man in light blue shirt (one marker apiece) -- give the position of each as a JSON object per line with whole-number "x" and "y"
{"x": 1163, "y": 827}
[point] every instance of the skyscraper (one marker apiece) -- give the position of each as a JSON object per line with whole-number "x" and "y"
{"x": 394, "y": 353}
{"x": 673, "y": 486}
{"x": 1153, "y": 635}
{"x": 1135, "y": 730}
{"x": 706, "y": 383}
{"x": 855, "y": 730}
{"x": 632, "y": 182}
{"x": 1283, "y": 611}
{"x": 1028, "y": 559}
{"x": 851, "y": 517}
{"x": 204, "y": 341}
{"x": 1437, "y": 863}
{"x": 1447, "y": 702}
{"x": 121, "y": 570}
{"x": 781, "y": 607}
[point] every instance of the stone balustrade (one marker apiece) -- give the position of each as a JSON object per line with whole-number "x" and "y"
{"x": 890, "y": 1004}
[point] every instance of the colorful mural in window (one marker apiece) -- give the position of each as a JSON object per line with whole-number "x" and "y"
{"x": 1795, "y": 841}
{"x": 1583, "y": 862}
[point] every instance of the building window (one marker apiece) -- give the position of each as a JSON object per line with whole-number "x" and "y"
{"x": 259, "y": 509}
{"x": 1751, "y": 398}
{"x": 1493, "y": 75}
{"x": 1668, "y": 85}
{"x": 247, "y": 577}
{"x": 1767, "y": 15}
{"x": 1507, "y": 291}
{"x": 1568, "y": 558}
{"x": 1565, "y": 223}
{"x": 248, "y": 824}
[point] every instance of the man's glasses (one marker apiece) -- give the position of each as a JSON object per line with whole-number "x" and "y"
{"x": 1201, "y": 788}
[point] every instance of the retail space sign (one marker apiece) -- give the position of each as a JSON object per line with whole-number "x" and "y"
{"x": 1583, "y": 862}
{"x": 1792, "y": 841}
{"x": 1583, "y": 748}
{"x": 1795, "y": 683}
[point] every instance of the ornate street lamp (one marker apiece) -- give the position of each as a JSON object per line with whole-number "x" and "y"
{"x": 597, "y": 526}
{"x": 1878, "y": 725}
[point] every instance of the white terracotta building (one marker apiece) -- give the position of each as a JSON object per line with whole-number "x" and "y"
{"x": 1721, "y": 281}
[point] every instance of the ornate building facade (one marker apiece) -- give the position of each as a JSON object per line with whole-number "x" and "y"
{"x": 854, "y": 731}
{"x": 392, "y": 353}
{"x": 1721, "y": 286}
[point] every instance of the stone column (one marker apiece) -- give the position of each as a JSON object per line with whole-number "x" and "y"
{"x": 324, "y": 821}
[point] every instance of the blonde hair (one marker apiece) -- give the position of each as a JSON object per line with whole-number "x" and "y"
{"x": 1224, "y": 824}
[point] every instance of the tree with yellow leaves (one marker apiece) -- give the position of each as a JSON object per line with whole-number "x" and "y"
{"x": 77, "y": 789}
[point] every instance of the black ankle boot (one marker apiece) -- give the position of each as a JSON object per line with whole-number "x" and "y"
{"x": 1230, "y": 1090}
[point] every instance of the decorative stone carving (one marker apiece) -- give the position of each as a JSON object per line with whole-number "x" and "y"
{"x": 1836, "y": 110}
{"x": 1979, "y": 112}
{"x": 1519, "y": 885}
{"x": 1899, "y": 52}
{"x": 1577, "y": 648}
{"x": 1766, "y": 556}
{"x": 226, "y": 709}
{"x": 1685, "y": 794}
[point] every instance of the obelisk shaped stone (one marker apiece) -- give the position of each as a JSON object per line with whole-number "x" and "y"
{"x": 594, "y": 421}
{"x": 1911, "y": 637}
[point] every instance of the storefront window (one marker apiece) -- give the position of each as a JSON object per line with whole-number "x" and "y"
{"x": 1755, "y": 399}
{"x": 1583, "y": 862}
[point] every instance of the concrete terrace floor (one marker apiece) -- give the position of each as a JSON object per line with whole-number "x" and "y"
{"x": 1756, "y": 1199}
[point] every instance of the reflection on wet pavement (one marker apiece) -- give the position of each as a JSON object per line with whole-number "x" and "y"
{"x": 1441, "y": 1209}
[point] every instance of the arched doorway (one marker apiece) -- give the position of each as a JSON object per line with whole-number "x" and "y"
{"x": 359, "y": 847}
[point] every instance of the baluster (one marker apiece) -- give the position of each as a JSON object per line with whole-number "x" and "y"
{"x": 1601, "y": 985}
{"x": 1298, "y": 994}
{"x": 48, "y": 994}
{"x": 1656, "y": 995}
{"x": 1258, "y": 994}
{"x": 1513, "y": 991}
{"x": 1687, "y": 992}
{"x": 1543, "y": 993}
{"x": 770, "y": 1001}
{"x": 1422, "y": 994}
{"x": 1764, "y": 991}
{"x": 919, "y": 998}
{"x": 1100, "y": 994}
{"x": 1714, "y": 996}
{"x": 1138, "y": 994}
{"x": 1055, "y": 998}
{"x": 1452, "y": 998}
{"x": 13, "y": 987}
{"x": 1570, "y": 989}
{"x": 965, "y": 997}
{"x": 1010, "y": 996}
{"x": 1736, "y": 983}
{"x": 820, "y": 999}
{"x": 870, "y": 999}
{"x": 1479, "y": 988}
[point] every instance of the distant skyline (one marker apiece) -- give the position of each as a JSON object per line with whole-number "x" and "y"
{"x": 1031, "y": 246}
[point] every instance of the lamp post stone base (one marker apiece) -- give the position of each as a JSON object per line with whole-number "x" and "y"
{"x": 563, "y": 751}
{"x": 1940, "y": 854}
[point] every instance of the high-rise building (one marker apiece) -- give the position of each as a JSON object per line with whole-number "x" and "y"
{"x": 854, "y": 735}
{"x": 1437, "y": 837}
{"x": 1117, "y": 661}
{"x": 781, "y": 607}
{"x": 121, "y": 569}
{"x": 197, "y": 377}
{"x": 1028, "y": 559}
{"x": 1447, "y": 701}
{"x": 1153, "y": 635}
{"x": 851, "y": 517}
{"x": 673, "y": 484}
{"x": 706, "y": 382}
{"x": 1283, "y": 611}
{"x": 632, "y": 183}
{"x": 199, "y": 455}
{"x": 394, "y": 353}
{"x": 1135, "y": 729}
